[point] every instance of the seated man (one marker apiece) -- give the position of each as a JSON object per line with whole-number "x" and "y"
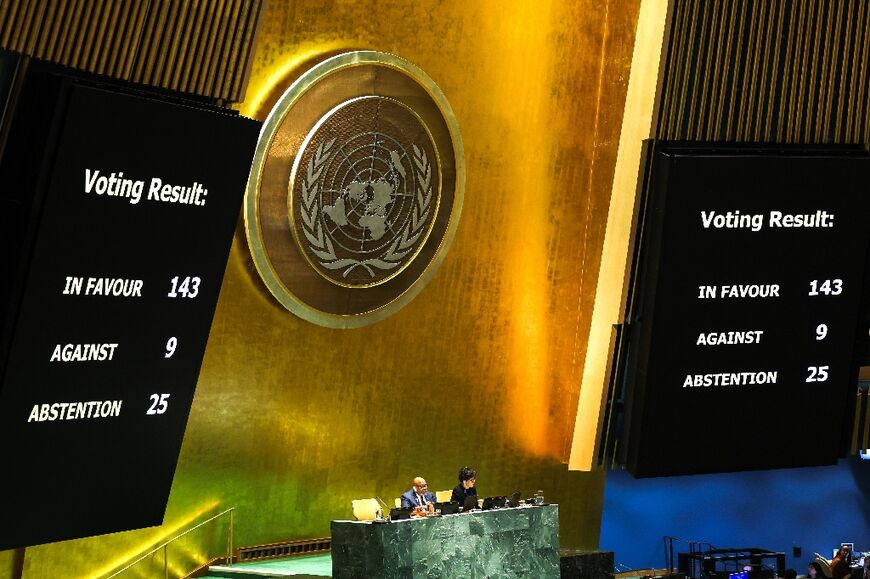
{"x": 419, "y": 495}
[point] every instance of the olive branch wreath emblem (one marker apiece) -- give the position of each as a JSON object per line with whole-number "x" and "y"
{"x": 321, "y": 244}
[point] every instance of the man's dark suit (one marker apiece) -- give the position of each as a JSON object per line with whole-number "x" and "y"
{"x": 409, "y": 499}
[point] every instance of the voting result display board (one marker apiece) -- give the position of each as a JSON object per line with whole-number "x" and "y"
{"x": 749, "y": 293}
{"x": 129, "y": 206}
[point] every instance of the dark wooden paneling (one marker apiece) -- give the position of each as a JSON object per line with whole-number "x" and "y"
{"x": 767, "y": 70}
{"x": 199, "y": 47}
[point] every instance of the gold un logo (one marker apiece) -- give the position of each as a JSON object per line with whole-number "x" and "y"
{"x": 356, "y": 189}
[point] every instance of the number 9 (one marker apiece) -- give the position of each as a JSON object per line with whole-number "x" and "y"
{"x": 170, "y": 346}
{"x": 821, "y": 331}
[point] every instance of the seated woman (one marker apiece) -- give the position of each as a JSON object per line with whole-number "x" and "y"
{"x": 465, "y": 488}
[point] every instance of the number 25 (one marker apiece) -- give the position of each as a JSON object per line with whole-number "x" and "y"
{"x": 817, "y": 373}
{"x": 159, "y": 404}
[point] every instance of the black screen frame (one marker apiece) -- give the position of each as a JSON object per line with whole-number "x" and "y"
{"x": 643, "y": 309}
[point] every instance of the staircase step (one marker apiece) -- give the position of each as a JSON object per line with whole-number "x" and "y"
{"x": 301, "y": 567}
{"x": 234, "y": 572}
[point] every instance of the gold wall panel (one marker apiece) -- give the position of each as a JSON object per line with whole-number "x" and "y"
{"x": 291, "y": 421}
{"x": 609, "y": 306}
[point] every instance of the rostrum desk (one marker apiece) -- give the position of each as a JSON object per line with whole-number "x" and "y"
{"x": 504, "y": 543}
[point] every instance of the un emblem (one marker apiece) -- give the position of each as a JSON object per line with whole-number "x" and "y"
{"x": 365, "y": 191}
{"x": 356, "y": 189}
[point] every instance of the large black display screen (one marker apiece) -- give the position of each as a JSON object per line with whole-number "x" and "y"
{"x": 750, "y": 286}
{"x": 131, "y": 232}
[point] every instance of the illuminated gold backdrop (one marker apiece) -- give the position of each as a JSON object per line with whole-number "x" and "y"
{"x": 291, "y": 421}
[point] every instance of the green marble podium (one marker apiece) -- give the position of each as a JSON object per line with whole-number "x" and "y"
{"x": 504, "y": 543}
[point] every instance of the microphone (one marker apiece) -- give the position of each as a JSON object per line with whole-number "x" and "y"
{"x": 385, "y": 507}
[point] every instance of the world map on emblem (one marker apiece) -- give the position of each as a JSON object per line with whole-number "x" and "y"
{"x": 364, "y": 191}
